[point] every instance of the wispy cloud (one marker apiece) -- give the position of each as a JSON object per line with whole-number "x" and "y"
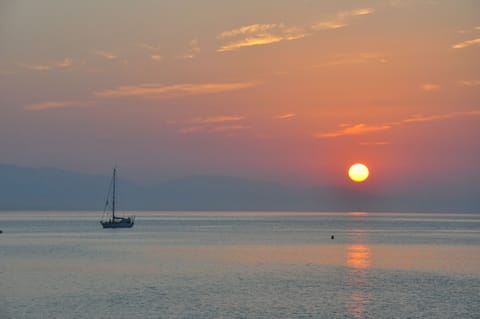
{"x": 65, "y": 63}
{"x": 355, "y": 12}
{"x": 436, "y": 117}
{"x": 263, "y": 34}
{"x": 329, "y": 25}
{"x": 360, "y": 129}
{"x": 348, "y": 59}
{"x": 374, "y": 143}
{"x": 106, "y": 54}
{"x": 36, "y": 67}
{"x": 153, "y": 49}
{"x": 430, "y": 87}
{"x": 466, "y": 44}
{"x": 47, "y": 105}
{"x": 258, "y": 34}
{"x": 193, "y": 50}
{"x": 158, "y": 91}
{"x": 469, "y": 31}
{"x": 217, "y": 119}
{"x": 251, "y": 41}
{"x": 285, "y": 116}
{"x": 212, "y": 129}
{"x": 470, "y": 83}
{"x": 341, "y": 19}
{"x": 213, "y": 124}
{"x": 191, "y": 129}
{"x": 149, "y": 47}
{"x": 249, "y": 29}
{"x": 224, "y": 128}
{"x": 356, "y": 129}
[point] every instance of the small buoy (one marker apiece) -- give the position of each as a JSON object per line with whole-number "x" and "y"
{"x": 332, "y": 237}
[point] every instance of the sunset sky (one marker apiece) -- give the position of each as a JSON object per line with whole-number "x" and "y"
{"x": 286, "y": 90}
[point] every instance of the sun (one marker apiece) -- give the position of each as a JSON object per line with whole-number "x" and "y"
{"x": 358, "y": 172}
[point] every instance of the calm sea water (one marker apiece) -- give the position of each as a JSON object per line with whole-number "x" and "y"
{"x": 240, "y": 265}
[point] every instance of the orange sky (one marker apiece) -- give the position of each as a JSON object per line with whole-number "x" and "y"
{"x": 293, "y": 91}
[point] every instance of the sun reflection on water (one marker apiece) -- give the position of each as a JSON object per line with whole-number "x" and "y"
{"x": 358, "y": 256}
{"x": 358, "y": 261}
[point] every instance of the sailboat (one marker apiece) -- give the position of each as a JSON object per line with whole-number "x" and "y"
{"x": 115, "y": 221}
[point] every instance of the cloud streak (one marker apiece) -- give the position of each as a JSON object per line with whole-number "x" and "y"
{"x": 193, "y": 50}
{"x": 106, "y": 54}
{"x": 285, "y": 116}
{"x": 341, "y": 19}
{"x": 158, "y": 91}
{"x": 233, "y": 127}
{"x": 353, "y": 13}
{"x": 47, "y": 105}
{"x": 350, "y": 59}
{"x": 249, "y": 29}
{"x": 466, "y": 44}
{"x": 218, "y": 119}
{"x": 156, "y": 57}
{"x": 191, "y": 129}
{"x": 212, "y": 129}
{"x": 148, "y": 47}
{"x": 470, "y": 83}
{"x": 213, "y": 124}
{"x": 430, "y": 87}
{"x": 361, "y": 129}
{"x": 356, "y": 129}
{"x": 373, "y": 143}
{"x": 37, "y": 67}
{"x": 263, "y": 34}
{"x": 436, "y": 117}
{"x": 154, "y": 51}
{"x": 258, "y": 34}
{"x": 65, "y": 63}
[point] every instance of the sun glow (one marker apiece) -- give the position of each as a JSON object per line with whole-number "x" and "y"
{"x": 358, "y": 172}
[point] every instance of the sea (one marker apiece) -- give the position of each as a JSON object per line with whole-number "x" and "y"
{"x": 266, "y": 265}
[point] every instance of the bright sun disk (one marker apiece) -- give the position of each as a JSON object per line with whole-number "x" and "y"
{"x": 358, "y": 172}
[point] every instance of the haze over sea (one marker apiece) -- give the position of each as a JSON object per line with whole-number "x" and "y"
{"x": 240, "y": 265}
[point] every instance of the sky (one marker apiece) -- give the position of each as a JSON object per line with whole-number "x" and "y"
{"x": 284, "y": 90}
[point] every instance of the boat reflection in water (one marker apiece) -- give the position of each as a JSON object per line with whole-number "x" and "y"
{"x": 358, "y": 261}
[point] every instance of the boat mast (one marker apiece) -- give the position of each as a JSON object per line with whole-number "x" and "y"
{"x": 113, "y": 195}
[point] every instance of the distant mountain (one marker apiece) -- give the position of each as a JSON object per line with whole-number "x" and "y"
{"x": 24, "y": 188}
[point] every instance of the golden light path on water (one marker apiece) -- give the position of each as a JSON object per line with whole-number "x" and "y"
{"x": 358, "y": 261}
